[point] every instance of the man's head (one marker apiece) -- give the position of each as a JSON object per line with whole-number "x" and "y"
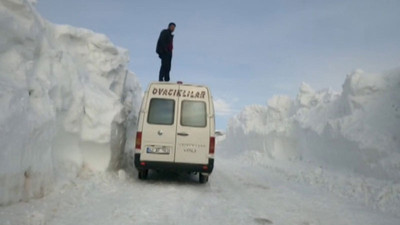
{"x": 171, "y": 26}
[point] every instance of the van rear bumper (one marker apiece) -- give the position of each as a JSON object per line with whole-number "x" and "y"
{"x": 181, "y": 167}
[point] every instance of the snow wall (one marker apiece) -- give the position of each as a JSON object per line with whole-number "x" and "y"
{"x": 357, "y": 130}
{"x": 66, "y": 101}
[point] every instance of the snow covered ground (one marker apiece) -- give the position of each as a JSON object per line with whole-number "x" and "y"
{"x": 238, "y": 193}
{"x": 68, "y": 112}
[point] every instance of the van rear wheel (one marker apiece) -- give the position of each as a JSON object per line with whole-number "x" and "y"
{"x": 143, "y": 174}
{"x": 203, "y": 178}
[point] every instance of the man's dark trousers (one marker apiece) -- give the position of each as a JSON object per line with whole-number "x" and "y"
{"x": 165, "y": 66}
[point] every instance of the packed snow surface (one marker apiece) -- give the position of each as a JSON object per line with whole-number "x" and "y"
{"x": 237, "y": 193}
{"x": 64, "y": 98}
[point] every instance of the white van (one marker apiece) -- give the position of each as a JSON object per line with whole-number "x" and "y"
{"x": 176, "y": 130}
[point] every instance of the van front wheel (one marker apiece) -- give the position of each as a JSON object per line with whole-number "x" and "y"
{"x": 143, "y": 174}
{"x": 203, "y": 178}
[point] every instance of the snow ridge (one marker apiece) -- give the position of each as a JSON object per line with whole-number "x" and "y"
{"x": 355, "y": 133}
{"x": 65, "y": 94}
{"x": 357, "y": 129}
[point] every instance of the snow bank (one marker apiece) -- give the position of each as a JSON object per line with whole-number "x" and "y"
{"x": 65, "y": 95}
{"x": 356, "y": 130}
{"x": 353, "y": 135}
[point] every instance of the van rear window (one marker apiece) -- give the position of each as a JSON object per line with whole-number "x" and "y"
{"x": 194, "y": 114}
{"x": 161, "y": 111}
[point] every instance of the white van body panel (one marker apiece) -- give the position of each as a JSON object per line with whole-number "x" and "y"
{"x": 193, "y": 137}
{"x": 183, "y": 136}
{"x": 156, "y": 135}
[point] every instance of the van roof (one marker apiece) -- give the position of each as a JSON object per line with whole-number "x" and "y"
{"x": 175, "y": 84}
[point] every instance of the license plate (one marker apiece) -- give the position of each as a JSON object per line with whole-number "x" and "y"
{"x": 158, "y": 150}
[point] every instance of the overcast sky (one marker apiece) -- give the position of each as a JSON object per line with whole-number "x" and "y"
{"x": 246, "y": 51}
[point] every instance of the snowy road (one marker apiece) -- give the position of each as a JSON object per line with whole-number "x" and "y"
{"x": 236, "y": 194}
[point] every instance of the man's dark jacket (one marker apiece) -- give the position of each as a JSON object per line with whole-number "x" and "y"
{"x": 164, "y": 43}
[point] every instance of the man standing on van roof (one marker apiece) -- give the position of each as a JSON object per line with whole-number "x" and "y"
{"x": 164, "y": 51}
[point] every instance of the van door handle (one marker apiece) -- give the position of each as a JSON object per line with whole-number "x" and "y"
{"x": 183, "y": 134}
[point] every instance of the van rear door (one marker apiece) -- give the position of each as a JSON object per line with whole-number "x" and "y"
{"x": 193, "y": 125}
{"x": 159, "y": 125}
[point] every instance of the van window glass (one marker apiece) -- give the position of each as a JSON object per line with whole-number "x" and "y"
{"x": 194, "y": 114}
{"x": 161, "y": 111}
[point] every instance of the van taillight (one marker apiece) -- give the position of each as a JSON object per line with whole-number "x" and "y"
{"x": 138, "y": 144}
{"x": 212, "y": 145}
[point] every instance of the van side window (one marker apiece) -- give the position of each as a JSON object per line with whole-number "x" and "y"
{"x": 161, "y": 111}
{"x": 194, "y": 114}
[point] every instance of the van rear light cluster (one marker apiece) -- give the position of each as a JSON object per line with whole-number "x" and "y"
{"x": 138, "y": 144}
{"x": 212, "y": 145}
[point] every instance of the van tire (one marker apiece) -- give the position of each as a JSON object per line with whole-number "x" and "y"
{"x": 203, "y": 178}
{"x": 143, "y": 174}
